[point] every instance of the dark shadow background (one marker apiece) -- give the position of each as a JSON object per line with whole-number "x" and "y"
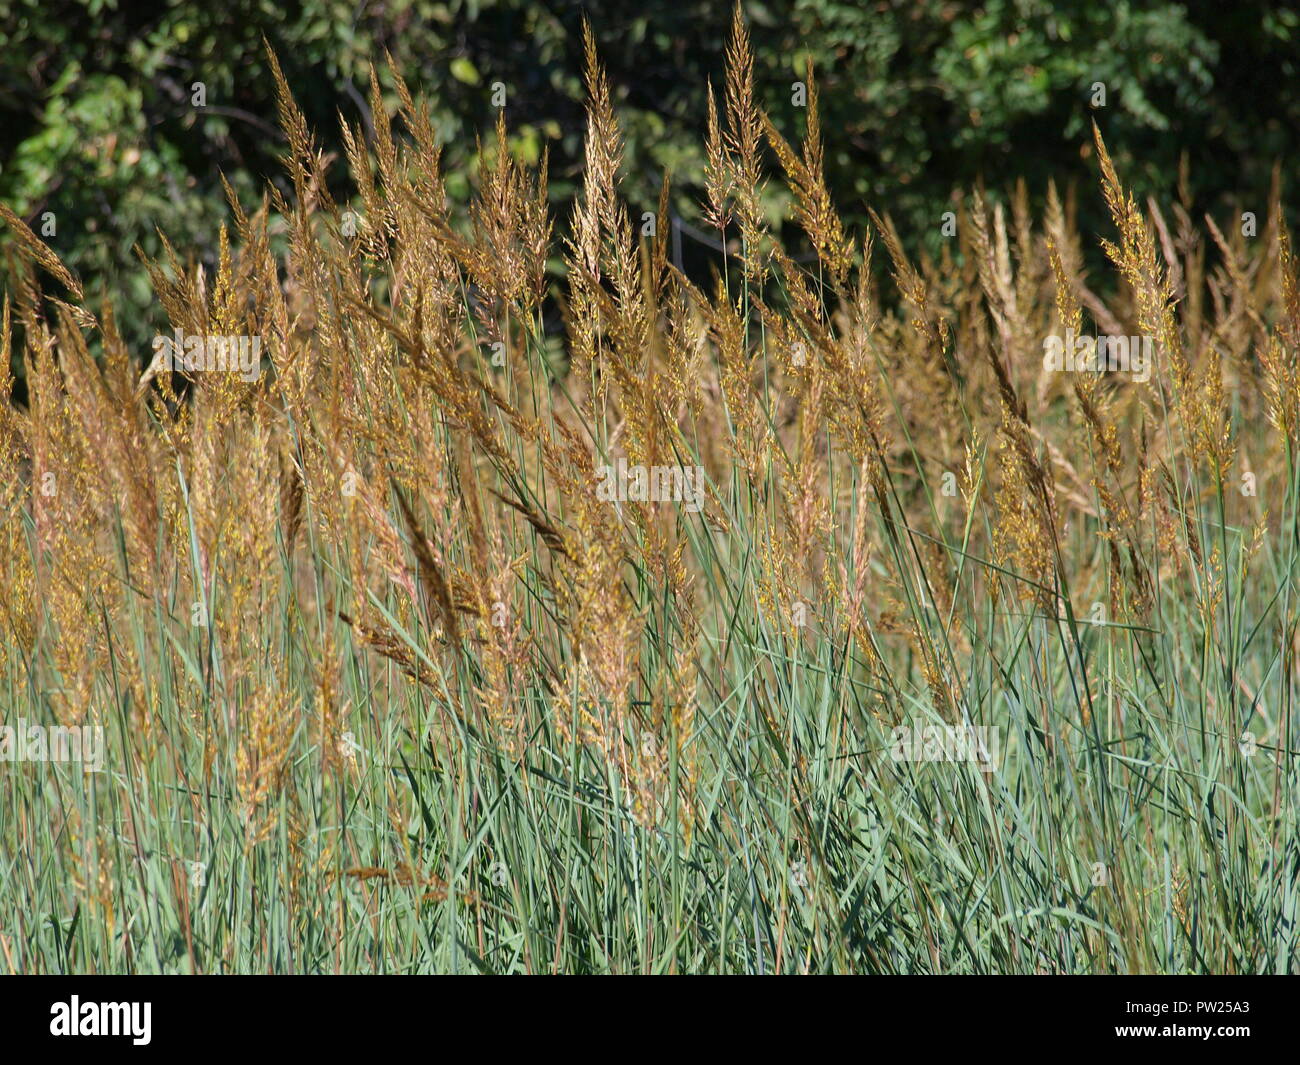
{"x": 99, "y": 134}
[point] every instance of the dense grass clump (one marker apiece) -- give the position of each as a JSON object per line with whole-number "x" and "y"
{"x": 395, "y": 675}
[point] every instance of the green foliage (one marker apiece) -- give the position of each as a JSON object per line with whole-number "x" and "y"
{"x": 920, "y": 98}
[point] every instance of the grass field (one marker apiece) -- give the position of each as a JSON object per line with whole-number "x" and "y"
{"x": 394, "y": 675}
